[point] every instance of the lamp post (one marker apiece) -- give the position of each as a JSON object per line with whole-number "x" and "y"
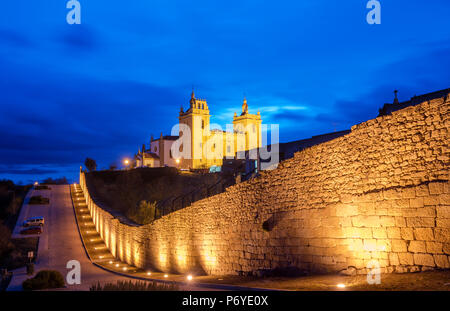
{"x": 178, "y": 163}
{"x": 126, "y": 162}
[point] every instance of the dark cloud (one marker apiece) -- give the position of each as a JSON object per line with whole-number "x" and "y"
{"x": 14, "y": 38}
{"x": 33, "y": 171}
{"x": 79, "y": 38}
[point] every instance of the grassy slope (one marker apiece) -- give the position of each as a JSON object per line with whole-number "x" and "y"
{"x": 123, "y": 190}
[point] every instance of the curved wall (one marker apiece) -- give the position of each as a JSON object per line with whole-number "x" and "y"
{"x": 379, "y": 193}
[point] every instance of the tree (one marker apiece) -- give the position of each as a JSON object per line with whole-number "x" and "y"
{"x": 144, "y": 213}
{"x": 113, "y": 166}
{"x": 90, "y": 164}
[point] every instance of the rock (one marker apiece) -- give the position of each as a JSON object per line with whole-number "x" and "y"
{"x": 349, "y": 271}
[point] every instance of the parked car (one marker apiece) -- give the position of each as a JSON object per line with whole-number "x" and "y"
{"x": 34, "y": 221}
{"x": 32, "y": 230}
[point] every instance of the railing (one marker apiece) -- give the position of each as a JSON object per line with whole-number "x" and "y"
{"x": 173, "y": 204}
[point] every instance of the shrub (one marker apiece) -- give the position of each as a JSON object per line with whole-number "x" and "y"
{"x": 144, "y": 213}
{"x": 45, "y": 279}
{"x": 134, "y": 286}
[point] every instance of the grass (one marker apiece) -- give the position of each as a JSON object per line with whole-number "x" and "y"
{"x": 127, "y": 191}
{"x": 44, "y": 279}
{"x": 135, "y": 286}
{"x": 438, "y": 280}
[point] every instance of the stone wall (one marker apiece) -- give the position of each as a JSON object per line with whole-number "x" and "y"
{"x": 379, "y": 193}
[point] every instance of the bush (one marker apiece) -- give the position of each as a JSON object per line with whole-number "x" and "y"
{"x": 134, "y": 286}
{"x": 144, "y": 213}
{"x": 38, "y": 199}
{"x": 45, "y": 279}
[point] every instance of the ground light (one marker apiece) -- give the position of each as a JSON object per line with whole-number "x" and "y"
{"x": 340, "y": 285}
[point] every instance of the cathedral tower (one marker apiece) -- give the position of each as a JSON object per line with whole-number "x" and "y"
{"x": 197, "y": 119}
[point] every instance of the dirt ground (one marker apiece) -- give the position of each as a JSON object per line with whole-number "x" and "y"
{"x": 420, "y": 281}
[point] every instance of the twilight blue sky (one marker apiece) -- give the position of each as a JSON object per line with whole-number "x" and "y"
{"x": 100, "y": 89}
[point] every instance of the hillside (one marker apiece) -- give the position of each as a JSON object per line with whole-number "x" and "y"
{"x": 135, "y": 193}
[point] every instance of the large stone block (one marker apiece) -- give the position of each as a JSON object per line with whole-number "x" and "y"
{"x": 417, "y": 247}
{"x": 443, "y": 211}
{"x": 393, "y": 233}
{"x": 379, "y": 233}
{"x": 442, "y": 235}
{"x": 424, "y": 260}
{"x": 366, "y": 221}
{"x": 407, "y": 233}
{"x": 424, "y": 234}
{"x": 416, "y": 202}
{"x": 398, "y": 246}
{"x": 420, "y": 222}
{"x": 442, "y": 261}
{"x": 393, "y": 259}
{"x": 434, "y": 247}
{"x": 436, "y": 187}
{"x": 406, "y": 258}
{"x": 443, "y": 222}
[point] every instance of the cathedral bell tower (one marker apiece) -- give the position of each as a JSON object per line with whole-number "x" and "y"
{"x": 197, "y": 119}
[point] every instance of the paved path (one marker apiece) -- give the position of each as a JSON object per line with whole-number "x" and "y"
{"x": 60, "y": 242}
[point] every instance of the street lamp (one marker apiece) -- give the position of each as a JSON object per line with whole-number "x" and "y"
{"x": 126, "y": 162}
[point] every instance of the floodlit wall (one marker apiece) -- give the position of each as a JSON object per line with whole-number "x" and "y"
{"x": 379, "y": 193}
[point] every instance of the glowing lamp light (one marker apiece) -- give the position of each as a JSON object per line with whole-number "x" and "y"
{"x": 110, "y": 262}
{"x": 124, "y": 268}
{"x": 340, "y": 285}
{"x": 117, "y": 264}
{"x": 178, "y": 161}
{"x": 149, "y": 273}
{"x": 189, "y": 277}
{"x": 166, "y": 276}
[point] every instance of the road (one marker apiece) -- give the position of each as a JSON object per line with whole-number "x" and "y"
{"x": 60, "y": 242}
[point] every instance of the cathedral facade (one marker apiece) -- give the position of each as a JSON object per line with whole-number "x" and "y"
{"x": 197, "y": 145}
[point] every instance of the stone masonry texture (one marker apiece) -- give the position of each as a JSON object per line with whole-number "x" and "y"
{"x": 379, "y": 193}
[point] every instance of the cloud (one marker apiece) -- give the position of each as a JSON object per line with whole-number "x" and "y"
{"x": 79, "y": 38}
{"x": 14, "y": 38}
{"x": 32, "y": 171}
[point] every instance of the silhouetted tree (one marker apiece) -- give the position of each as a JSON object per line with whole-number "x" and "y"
{"x": 57, "y": 181}
{"x": 113, "y": 166}
{"x": 90, "y": 164}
